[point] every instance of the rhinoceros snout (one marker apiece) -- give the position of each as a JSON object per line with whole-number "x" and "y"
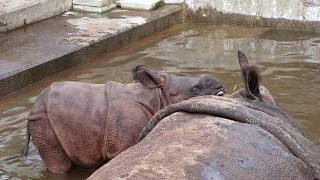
{"x": 219, "y": 91}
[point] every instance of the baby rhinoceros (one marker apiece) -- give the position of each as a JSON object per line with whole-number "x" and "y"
{"x": 88, "y": 124}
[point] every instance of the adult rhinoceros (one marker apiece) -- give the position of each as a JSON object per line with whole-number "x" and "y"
{"x": 242, "y": 136}
{"x": 88, "y": 124}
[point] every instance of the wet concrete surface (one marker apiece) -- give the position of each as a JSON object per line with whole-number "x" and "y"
{"x": 289, "y": 62}
{"x": 40, "y": 50}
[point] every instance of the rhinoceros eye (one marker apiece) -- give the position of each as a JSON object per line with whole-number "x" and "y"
{"x": 195, "y": 90}
{"x": 208, "y": 83}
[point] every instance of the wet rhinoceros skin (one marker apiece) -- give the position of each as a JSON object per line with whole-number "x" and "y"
{"x": 199, "y": 146}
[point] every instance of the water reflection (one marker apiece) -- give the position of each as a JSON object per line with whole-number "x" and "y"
{"x": 289, "y": 63}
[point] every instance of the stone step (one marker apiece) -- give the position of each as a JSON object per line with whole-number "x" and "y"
{"x": 99, "y": 6}
{"x": 93, "y": 9}
{"x": 141, "y": 4}
{"x": 95, "y": 6}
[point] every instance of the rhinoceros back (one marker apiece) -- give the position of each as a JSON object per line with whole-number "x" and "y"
{"x": 77, "y": 113}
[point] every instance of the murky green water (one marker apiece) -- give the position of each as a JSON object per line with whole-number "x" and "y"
{"x": 289, "y": 62}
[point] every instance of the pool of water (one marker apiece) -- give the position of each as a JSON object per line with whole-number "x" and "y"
{"x": 289, "y": 62}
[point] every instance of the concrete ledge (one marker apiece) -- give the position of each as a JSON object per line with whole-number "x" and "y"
{"x": 48, "y": 47}
{"x": 16, "y": 13}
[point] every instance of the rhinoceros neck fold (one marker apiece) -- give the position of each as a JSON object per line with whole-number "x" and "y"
{"x": 129, "y": 108}
{"x": 153, "y": 101}
{"x": 164, "y": 98}
{"x": 164, "y": 93}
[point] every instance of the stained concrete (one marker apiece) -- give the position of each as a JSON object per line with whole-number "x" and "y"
{"x": 307, "y": 10}
{"x": 209, "y": 15}
{"x": 280, "y": 14}
{"x": 17, "y": 13}
{"x": 30, "y": 54}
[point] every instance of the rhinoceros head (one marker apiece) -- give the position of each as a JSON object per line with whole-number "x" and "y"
{"x": 178, "y": 87}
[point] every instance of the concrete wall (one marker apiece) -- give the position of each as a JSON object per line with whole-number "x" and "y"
{"x": 16, "y": 13}
{"x": 281, "y": 14}
{"x": 288, "y": 9}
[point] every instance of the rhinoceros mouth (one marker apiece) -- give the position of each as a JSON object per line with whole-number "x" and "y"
{"x": 219, "y": 91}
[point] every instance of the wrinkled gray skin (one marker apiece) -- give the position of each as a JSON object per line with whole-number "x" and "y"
{"x": 74, "y": 123}
{"x": 242, "y": 136}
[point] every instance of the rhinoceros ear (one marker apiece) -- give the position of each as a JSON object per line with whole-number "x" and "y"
{"x": 251, "y": 81}
{"x": 243, "y": 60}
{"x": 147, "y": 77}
{"x": 250, "y": 75}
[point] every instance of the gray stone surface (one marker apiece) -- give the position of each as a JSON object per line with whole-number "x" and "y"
{"x": 16, "y": 13}
{"x": 30, "y": 54}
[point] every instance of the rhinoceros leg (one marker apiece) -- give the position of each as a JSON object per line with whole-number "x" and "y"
{"x": 50, "y": 149}
{"x": 45, "y": 139}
